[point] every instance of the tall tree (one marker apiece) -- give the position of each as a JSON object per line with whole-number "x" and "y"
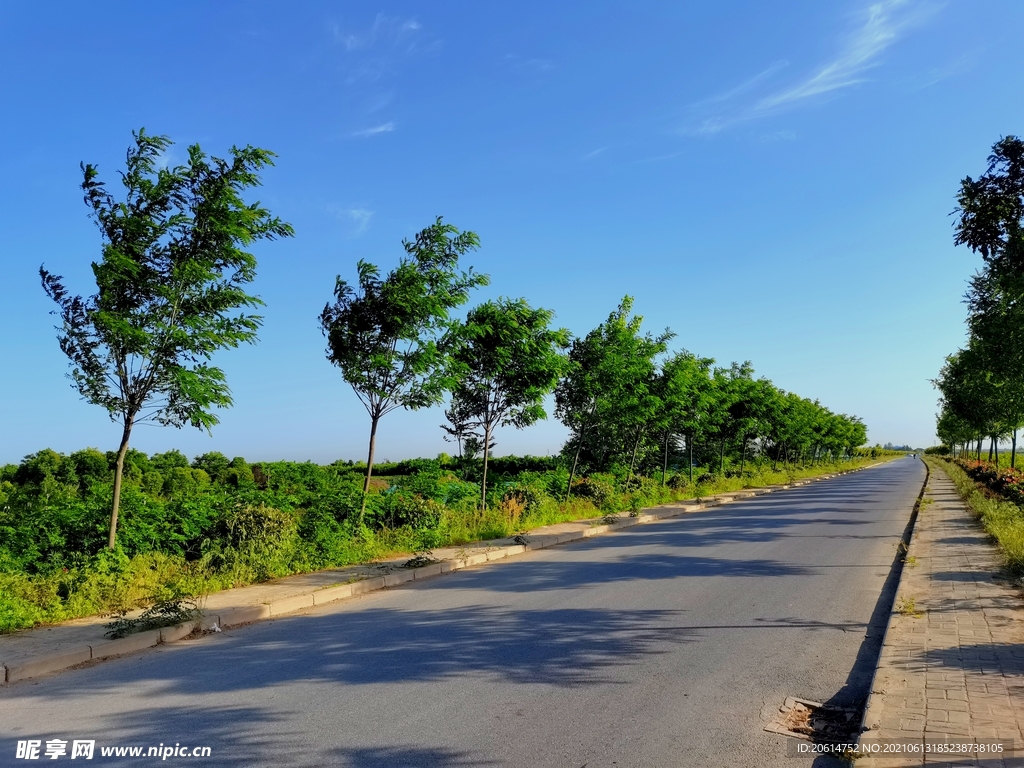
{"x": 607, "y": 396}
{"x": 506, "y": 358}
{"x": 683, "y": 391}
{"x": 170, "y": 288}
{"x": 991, "y": 209}
{"x": 385, "y": 337}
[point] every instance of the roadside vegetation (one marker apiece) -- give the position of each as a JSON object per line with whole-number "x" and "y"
{"x": 105, "y": 531}
{"x": 191, "y": 528}
{"x": 982, "y": 385}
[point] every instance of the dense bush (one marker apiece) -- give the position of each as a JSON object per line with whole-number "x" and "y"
{"x": 1003, "y": 480}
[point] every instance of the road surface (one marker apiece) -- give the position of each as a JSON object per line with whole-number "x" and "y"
{"x": 668, "y": 644}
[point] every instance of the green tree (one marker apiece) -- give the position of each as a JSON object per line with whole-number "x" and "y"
{"x": 607, "y": 397}
{"x": 505, "y": 359}
{"x": 991, "y": 209}
{"x": 683, "y": 391}
{"x": 384, "y": 337}
{"x": 171, "y": 279}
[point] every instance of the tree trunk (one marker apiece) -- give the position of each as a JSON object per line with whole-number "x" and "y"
{"x": 118, "y": 475}
{"x": 483, "y": 482}
{"x": 664, "y": 466}
{"x": 369, "y": 466}
{"x": 689, "y": 446}
{"x": 1013, "y": 450}
{"x": 743, "y": 455}
{"x": 721, "y": 463}
{"x": 991, "y": 442}
{"x": 632, "y": 458}
{"x": 575, "y": 461}
{"x": 995, "y": 442}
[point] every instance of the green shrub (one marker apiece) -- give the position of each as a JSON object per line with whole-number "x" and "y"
{"x": 91, "y": 465}
{"x": 17, "y": 613}
{"x": 599, "y": 490}
{"x": 214, "y": 464}
{"x": 170, "y": 460}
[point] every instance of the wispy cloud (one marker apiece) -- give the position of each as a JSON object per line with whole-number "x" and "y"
{"x": 529, "y": 66}
{"x": 880, "y": 31}
{"x": 361, "y": 218}
{"x": 958, "y": 66}
{"x": 878, "y": 27}
{"x": 595, "y": 153}
{"x": 375, "y": 130}
{"x": 385, "y": 29}
{"x": 358, "y": 217}
{"x": 371, "y": 58}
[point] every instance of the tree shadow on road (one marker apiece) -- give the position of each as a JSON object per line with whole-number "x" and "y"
{"x": 560, "y": 647}
{"x": 407, "y": 757}
{"x": 237, "y": 736}
{"x": 537, "y": 575}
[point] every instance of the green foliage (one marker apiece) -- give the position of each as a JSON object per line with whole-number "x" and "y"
{"x": 981, "y": 385}
{"x": 169, "y": 283}
{"x": 91, "y": 465}
{"x": 213, "y": 463}
{"x": 384, "y": 338}
{"x": 505, "y": 359}
{"x": 166, "y": 613}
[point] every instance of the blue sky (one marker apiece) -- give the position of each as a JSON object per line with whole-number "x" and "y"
{"x": 773, "y": 181}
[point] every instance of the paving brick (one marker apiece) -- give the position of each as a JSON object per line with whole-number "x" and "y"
{"x": 973, "y": 624}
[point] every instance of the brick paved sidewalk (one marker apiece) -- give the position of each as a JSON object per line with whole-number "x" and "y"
{"x": 952, "y": 668}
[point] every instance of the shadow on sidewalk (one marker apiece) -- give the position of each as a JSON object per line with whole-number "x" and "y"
{"x": 1005, "y": 658}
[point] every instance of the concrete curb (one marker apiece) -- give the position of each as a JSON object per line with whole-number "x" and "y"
{"x": 234, "y": 617}
{"x": 873, "y": 704}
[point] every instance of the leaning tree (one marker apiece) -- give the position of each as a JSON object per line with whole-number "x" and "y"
{"x": 385, "y": 336}
{"x": 171, "y": 288}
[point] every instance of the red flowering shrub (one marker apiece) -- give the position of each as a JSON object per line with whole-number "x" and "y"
{"x": 1008, "y": 482}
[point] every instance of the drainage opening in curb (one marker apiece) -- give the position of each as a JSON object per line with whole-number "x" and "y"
{"x": 816, "y": 722}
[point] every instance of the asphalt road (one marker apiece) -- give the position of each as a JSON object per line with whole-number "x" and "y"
{"x": 668, "y": 644}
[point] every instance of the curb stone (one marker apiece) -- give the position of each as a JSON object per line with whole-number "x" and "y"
{"x": 873, "y": 703}
{"x": 11, "y": 672}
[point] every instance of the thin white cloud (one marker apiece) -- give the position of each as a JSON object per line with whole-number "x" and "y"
{"x": 880, "y": 31}
{"x": 385, "y": 29}
{"x": 768, "y": 138}
{"x": 375, "y": 130}
{"x": 357, "y": 217}
{"x": 742, "y": 87}
{"x": 360, "y": 218}
{"x": 878, "y": 28}
{"x": 529, "y": 66}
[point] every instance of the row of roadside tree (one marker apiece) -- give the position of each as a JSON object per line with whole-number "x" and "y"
{"x": 982, "y": 385}
{"x": 171, "y": 291}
